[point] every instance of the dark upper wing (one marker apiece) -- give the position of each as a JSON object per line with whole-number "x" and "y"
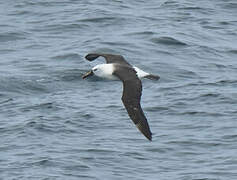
{"x": 110, "y": 58}
{"x": 132, "y": 91}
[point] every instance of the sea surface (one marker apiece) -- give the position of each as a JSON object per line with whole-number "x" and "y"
{"x": 56, "y": 126}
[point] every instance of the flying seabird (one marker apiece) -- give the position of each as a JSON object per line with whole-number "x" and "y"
{"x": 117, "y": 67}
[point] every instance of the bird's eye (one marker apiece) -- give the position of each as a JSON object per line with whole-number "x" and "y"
{"x": 95, "y": 69}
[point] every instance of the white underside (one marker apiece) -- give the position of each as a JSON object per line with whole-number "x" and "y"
{"x": 106, "y": 71}
{"x": 140, "y": 73}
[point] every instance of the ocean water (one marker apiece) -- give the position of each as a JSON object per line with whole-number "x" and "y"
{"x": 54, "y": 125}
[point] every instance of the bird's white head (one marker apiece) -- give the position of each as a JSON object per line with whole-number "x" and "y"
{"x": 102, "y": 70}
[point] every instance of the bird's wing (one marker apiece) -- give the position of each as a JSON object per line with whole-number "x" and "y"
{"x": 132, "y": 91}
{"x": 110, "y": 58}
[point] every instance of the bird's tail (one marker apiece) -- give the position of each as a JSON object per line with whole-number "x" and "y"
{"x": 152, "y": 77}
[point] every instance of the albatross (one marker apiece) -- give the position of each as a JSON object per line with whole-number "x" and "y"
{"x": 117, "y": 67}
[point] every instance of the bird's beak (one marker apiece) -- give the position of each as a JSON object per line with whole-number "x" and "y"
{"x": 89, "y": 73}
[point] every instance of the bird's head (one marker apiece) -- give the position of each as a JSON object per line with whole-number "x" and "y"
{"x": 91, "y": 72}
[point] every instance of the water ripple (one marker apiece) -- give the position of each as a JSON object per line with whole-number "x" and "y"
{"x": 11, "y": 36}
{"x": 168, "y": 41}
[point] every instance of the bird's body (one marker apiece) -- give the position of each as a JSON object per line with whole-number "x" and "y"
{"x": 106, "y": 71}
{"x": 117, "y": 68}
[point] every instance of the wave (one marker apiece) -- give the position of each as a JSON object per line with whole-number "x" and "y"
{"x": 11, "y": 36}
{"x": 168, "y": 41}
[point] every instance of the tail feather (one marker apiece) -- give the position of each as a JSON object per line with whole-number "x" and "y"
{"x": 152, "y": 77}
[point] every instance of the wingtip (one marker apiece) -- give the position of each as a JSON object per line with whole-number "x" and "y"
{"x": 148, "y": 135}
{"x": 91, "y": 56}
{"x": 149, "y": 138}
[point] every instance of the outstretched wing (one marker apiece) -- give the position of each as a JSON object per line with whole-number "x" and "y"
{"x": 132, "y": 91}
{"x": 110, "y": 58}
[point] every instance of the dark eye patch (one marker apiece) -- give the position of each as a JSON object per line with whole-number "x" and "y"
{"x": 95, "y": 69}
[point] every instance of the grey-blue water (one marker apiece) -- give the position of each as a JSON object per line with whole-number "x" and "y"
{"x": 54, "y": 125}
